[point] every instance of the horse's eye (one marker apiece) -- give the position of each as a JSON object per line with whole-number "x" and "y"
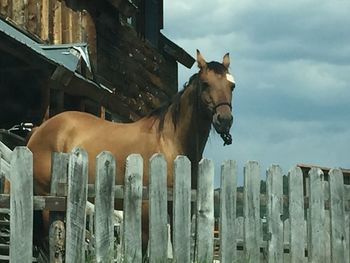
{"x": 233, "y": 86}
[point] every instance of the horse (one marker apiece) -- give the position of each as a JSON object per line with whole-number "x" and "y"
{"x": 180, "y": 127}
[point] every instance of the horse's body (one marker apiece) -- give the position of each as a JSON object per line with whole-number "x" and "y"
{"x": 182, "y": 127}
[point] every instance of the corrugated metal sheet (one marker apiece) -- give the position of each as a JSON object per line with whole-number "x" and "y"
{"x": 68, "y": 56}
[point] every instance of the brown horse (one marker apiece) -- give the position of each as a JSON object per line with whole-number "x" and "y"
{"x": 180, "y": 127}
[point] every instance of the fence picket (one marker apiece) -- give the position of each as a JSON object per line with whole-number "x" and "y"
{"x": 251, "y": 212}
{"x": 182, "y": 210}
{"x": 228, "y": 189}
{"x": 327, "y": 233}
{"x": 316, "y": 218}
{"x": 274, "y": 187}
{"x": 59, "y": 176}
{"x": 21, "y": 207}
{"x": 132, "y": 248}
{"x": 205, "y": 212}
{"x": 104, "y": 207}
{"x": 337, "y": 216}
{"x": 158, "y": 212}
{"x": 296, "y": 216}
{"x": 76, "y": 205}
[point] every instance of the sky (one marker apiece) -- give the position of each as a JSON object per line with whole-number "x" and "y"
{"x": 291, "y": 63}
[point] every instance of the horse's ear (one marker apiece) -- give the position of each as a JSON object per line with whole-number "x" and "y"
{"x": 201, "y": 61}
{"x": 226, "y": 60}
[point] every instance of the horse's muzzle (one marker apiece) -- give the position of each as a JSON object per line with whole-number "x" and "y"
{"x": 222, "y": 122}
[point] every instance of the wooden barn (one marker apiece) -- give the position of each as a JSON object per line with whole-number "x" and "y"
{"x": 105, "y": 57}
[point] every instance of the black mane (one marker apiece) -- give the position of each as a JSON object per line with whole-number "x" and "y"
{"x": 176, "y": 99}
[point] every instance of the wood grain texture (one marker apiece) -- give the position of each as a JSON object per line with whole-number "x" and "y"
{"x": 21, "y": 208}
{"x": 104, "y": 207}
{"x": 227, "y": 230}
{"x": 252, "y": 211}
{"x": 132, "y": 209}
{"x": 316, "y": 217}
{"x": 76, "y": 205}
{"x": 337, "y": 216}
{"x": 182, "y": 210}
{"x": 205, "y": 212}
{"x": 274, "y": 187}
{"x": 297, "y": 235}
{"x": 158, "y": 212}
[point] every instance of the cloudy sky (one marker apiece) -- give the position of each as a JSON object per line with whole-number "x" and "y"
{"x": 291, "y": 62}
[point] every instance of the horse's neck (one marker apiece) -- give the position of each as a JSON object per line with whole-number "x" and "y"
{"x": 193, "y": 127}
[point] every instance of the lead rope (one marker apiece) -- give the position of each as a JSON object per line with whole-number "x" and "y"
{"x": 227, "y": 138}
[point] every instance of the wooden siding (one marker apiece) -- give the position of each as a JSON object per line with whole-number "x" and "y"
{"x": 141, "y": 75}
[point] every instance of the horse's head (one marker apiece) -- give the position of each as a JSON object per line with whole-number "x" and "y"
{"x": 216, "y": 93}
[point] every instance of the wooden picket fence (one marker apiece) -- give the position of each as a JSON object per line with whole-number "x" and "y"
{"x": 317, "y": 229}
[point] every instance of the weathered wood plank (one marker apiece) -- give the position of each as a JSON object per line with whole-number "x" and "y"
{"x": 51, "y": 203}
{"x": 45, "y": 20}
{"x": 76, "y": 205}
{"x": 4, "y": 168}
{"x": 337, "y": 216}
{"x": 251, "y": 211}
{"x": 316, "y": 244}
{"x": 5, "y": 152}
{"x": 57, "y": 235}
{"x": 297, "y": 235}
{"x": 59, "y": 173}
{"x": 158, "y": 236}
{"x": 57, "y": 23}
{"x": 132, "y": 209}
{"x": 274, "y": 187}
{"x": 59, "y": 177}
{"x": 104, "y": 206}
{"x": 21, "y": 211}
{"x": 19, "y": 11}
{"x": 182, "y": 210}
{"x": 5, "y": 7}
{"x": 205, "y": 212}
{"x": 33, "y": 17}
{"x": 228, "y": 199}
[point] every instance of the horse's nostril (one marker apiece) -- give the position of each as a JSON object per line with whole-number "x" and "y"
{"x": 219, "y": 118}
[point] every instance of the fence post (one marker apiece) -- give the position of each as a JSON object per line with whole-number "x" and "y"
{"x": 182, "y": 210}
{"x": 76, "y": 205}
{"x": 252, "y": 212}
{"x": 316, "y": 227}
{"x": 296, "y": 216}
{"x": 132, "y": 243}
{"x": 205, "y": 212}
{"x": 21, "y": 205}
{"x": 227, "y": 230}
{"x": 274, "y": 187}
{"x": 337, "y": 216}
{"x": 59, "y": 177}
{"x": 158, "y": 212}
{"x": 104, "y": 207}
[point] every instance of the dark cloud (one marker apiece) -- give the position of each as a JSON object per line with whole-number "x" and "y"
{"x": 291, "y": 61}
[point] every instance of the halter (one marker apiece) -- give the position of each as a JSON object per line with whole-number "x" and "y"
{"x": 222, "y": 104}
{"x": 225, "y": 136}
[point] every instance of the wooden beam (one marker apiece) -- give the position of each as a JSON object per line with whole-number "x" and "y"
{"x": 52, "y": 203}
{"x": 127, "y": 8}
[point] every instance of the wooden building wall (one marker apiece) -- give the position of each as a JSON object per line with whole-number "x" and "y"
{"x": 140, "y": 75}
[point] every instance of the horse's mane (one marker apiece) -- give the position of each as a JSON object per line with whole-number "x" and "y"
{"x": 161, "y": 111}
